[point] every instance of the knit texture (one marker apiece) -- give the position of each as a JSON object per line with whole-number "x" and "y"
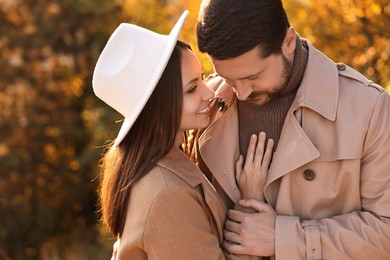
{"x": 270, "y": 116}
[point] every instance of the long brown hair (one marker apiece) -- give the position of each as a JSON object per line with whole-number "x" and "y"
{"x": 149, "y": 139}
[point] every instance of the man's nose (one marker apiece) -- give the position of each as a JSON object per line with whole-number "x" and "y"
{"x": 242, "y": 90}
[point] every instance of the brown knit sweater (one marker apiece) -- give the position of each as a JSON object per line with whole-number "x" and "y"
{"x": 270, "y": 116}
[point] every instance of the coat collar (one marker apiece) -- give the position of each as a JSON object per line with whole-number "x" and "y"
{"x": 219, "y": 149}
{"x": 179, "y": 163}
{"x": 318, "y": 91}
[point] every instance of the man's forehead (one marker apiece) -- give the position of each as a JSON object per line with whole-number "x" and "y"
{"x": 242, "y": 67}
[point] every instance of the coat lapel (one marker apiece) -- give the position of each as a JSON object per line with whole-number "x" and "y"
{"x": 219, "y": 145}
{"x": 178, "y": 163}
{"x": 318, "y": 92}
{"x": 219, "y": 149}
{"x": 294, "y": 150}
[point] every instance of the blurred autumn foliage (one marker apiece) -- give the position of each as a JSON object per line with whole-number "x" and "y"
{"x": 355, "y": 32}
{"x": 52, "y": 127}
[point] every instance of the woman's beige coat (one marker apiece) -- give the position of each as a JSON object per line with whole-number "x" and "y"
{"x": 174, "y": 213}
{"x": 329, "y": 180}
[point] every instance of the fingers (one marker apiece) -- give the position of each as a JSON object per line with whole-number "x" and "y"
{"x": 251, "y": 203}
{"x": 239, "y": 167}
{"x": 232, "y": 231}
{"x": 255, "y": 152}
{"x": 232, "y": 226}
{"x": 233, "y": 247}
{"x": 234, "y": 215}
{"x": 260, "y": 149}
{"x": 267, "y": 155}
{"x": 231, "y": 236}
{"x": 251, "y": 150}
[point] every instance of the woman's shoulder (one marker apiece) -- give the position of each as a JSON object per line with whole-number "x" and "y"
{"x": 161, "y": 178}
{"x": 161, "y": 182}
{"x": 157, "y": 181}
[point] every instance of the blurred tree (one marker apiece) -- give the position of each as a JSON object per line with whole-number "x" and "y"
{"x": 355, "y": 32}
{"x": 161, "y": 15}
{"x": 52, "y": 127}
{"x": 47, "y": 197}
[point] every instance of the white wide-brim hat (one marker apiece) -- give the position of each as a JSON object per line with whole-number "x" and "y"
{"x": 129, "y": 68}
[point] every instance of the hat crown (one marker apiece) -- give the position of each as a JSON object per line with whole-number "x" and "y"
{"x": 125, "y": 66}
{"x": 130, "y": 67}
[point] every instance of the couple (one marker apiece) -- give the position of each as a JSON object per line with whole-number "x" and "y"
{"x": 326, "y": 193}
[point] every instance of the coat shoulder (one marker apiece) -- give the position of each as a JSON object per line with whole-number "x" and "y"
{"x": 159, "y": 187}
{"x": 161, "y": 178}
{"x": 356, "y": 78}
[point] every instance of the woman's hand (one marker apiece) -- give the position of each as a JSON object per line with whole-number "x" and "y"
{"x": 252, "y": 176}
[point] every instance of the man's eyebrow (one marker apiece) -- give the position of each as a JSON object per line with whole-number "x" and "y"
{"x": 253, "y": 75}
{"x": 247, "y": 77}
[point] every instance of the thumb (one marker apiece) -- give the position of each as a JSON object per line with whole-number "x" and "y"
{"x": 254, "y": 204}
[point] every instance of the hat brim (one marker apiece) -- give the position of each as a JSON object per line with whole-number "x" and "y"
{"x": 159, "y": 69}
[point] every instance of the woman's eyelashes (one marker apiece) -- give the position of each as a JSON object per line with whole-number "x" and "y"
{"x": 192, "y": 89}
{"x": 199, "y": 80}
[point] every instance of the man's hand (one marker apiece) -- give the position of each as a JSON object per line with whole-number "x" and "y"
{"x": 251, "y": 233}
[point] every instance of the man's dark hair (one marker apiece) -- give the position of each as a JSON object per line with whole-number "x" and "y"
{"x": 229, "y": 28}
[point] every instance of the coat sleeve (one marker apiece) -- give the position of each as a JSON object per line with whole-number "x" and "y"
{"x": 363, "y": 234}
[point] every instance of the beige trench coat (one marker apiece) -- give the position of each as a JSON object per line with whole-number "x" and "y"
{"x": 329, "y": 180}
{"x": 174, "y": 213}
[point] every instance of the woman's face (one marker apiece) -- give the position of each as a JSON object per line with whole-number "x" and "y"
{"x": 196, "y": 95}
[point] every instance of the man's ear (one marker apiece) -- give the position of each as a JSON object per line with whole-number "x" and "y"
{"x": 289, "y": 42}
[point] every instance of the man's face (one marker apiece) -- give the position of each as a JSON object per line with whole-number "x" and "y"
{"x": 253, "y": 78}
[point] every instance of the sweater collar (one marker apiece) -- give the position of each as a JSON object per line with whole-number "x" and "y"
{"x": 318, "y": 89}
{"x": 298, "y": 67}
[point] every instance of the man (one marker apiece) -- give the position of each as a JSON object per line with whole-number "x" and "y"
{"x": 328, "y": 188}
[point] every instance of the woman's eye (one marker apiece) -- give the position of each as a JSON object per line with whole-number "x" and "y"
{"x": 192, "y": 90}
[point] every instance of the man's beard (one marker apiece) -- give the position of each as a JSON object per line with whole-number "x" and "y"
{"x": 262, "y": 97}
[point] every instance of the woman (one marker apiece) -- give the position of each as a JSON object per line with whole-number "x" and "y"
{"x": 153, "y": 197}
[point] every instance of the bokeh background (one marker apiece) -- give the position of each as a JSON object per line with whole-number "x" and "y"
{"x": 53, "y": 128}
